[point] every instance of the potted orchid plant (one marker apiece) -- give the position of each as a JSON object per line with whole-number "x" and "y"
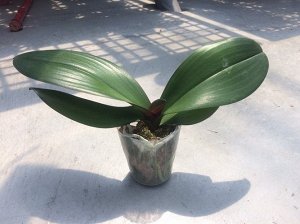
{"x": 214, "y": 75}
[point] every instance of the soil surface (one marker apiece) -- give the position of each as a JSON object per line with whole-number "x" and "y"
{"x": 143, "y": 130}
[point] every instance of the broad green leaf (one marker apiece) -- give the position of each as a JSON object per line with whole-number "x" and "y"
{"x": 228, "y": 86}
{"x": 210, "y": 61}
{"x": 88, "y": 112}
{"x": 188, "y": 117}
{"x": 83, "y": 72}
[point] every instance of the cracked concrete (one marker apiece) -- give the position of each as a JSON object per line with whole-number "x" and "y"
{"x": 240, "y": 166}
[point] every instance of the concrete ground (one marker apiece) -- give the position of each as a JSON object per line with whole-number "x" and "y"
{"x": 240, "y": 166}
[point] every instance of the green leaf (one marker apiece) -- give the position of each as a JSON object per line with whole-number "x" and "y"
{"x": 228, "y": 86}
{"x": 88, "y": 112}
{"x": 215, "y": 75}
{"x": 188, "y": 117}
{"x": 83, "y": 72}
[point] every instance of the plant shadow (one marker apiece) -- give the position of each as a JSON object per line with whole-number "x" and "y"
{"x": 71, "y": 196}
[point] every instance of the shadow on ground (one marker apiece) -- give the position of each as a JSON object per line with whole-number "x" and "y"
{"x": 70, "y": 196}
{"x": 272, "y": 20}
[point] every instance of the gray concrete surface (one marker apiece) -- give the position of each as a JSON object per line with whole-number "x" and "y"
{"x": 240, "y": 166}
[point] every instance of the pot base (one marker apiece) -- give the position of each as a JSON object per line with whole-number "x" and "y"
{"x": 152, "y": 184}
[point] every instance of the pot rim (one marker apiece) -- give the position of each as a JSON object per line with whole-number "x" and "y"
{"x": 122, "y": 132}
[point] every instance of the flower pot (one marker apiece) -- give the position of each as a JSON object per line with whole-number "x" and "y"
{"x": 150, "y": 162}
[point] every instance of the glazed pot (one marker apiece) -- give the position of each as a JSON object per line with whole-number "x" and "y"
{"x": 150, "y": 162}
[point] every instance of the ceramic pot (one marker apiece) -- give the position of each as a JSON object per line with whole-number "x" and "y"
{"x": 150, "y": 162}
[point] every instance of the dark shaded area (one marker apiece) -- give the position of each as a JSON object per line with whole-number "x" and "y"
{"x": 171, "y": 5}
{"x": 70, "y": 196}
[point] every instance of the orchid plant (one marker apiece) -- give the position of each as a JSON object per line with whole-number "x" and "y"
{"x": 214, "y": 75}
